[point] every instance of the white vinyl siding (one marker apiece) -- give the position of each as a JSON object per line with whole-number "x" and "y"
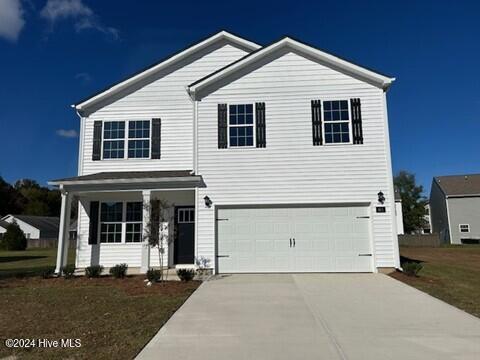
{"x": 163, "y": 98}
{"x": 290, "y": 170}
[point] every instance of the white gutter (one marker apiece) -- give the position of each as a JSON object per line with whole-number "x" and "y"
{"x": 125, "y": 181}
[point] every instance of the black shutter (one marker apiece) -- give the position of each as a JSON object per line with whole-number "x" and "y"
{"x": 156, "y": 138}
{"x": 356, "y": 121}
{"x": 93, "y": 228}
{"x": 260, "y": 124}
{"x": 317, "y": 122}
{"x": 222, "y": 126}
{"x": 97, "y": 141}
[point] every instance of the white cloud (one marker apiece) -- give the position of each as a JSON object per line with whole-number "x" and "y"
{"x": 11, "y": 19}
{"x": 84, "y": 77}
{"x": 71, "y": 133}
{"x": 84, "y": 17}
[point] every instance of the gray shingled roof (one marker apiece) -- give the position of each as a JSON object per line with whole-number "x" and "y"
{"x": 47, "y": 225}
{"x": 456, "y": 185}
{"x": 119, "y": 175}
{"x": 4, "y": 224}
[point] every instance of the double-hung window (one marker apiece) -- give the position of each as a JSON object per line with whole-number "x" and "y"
{"x": 121, "y": 222}
{"x": 138, "y": 139}
{"x": 134, "y": 222}
{"x": 240, "y": 125}
{"x": 464, "y": 228}
{"x": 336, "y": 122}
{"x": 111, "y": 216}
{"x": 113, "y": 140}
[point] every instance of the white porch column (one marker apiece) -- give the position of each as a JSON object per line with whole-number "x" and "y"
{"x": 63, "y": 232}
{"x": 146, "y": 219}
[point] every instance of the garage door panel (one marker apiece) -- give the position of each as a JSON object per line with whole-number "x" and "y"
{"x": 327, "y": 239}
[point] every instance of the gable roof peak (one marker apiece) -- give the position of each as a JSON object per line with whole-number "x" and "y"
{"x": 148, "y": 71}
{"x": 377, "y": 79}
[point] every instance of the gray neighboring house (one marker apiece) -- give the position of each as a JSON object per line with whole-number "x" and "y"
{"x": 455, "y": 208}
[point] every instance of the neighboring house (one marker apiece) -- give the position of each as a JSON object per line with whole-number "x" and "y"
{"x": 3, "y": 227}
{"x": 35, "y": 227}
{"x": 399, "y": 212}
{"x": 274, "y": 158}
{"x": 455, "y": 208}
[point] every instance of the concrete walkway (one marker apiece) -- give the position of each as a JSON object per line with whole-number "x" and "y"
{"x": 314, "y": 316}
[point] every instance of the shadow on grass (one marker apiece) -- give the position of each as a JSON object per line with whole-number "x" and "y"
{"x": 24, "y": 272}
{"x": 404, "y": 259}
{"x": 5, "y": 259}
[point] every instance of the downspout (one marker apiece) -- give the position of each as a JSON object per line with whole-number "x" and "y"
{"x": 80, "y": 141}
{"x": 391, "y": 190}
{"x": 79, "y": 172}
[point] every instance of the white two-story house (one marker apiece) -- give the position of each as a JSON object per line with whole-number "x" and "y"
{"x": 273, "y": 158}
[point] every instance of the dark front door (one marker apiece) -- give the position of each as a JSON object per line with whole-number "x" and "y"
{"x": 185, "y": 235}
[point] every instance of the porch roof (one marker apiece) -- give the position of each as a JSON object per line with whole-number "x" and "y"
{"x": 131, "y": 180}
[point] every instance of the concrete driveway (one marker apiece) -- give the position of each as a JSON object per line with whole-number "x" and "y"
{"x": 314, "y": 316}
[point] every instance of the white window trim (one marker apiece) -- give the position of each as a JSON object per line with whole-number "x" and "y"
{"x": 350, "y": 130}
{"x": 460, "y": 228}
{"x": 117, "y": 139}
{"x": 132, "y": 222}
{"x": 125, "y": 140}
{"x": 254, "y": 113}
{"x": 124, "y": 224}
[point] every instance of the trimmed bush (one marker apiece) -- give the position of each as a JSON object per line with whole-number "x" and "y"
{"x": 48, "y": 272}
{"x": 186, "y": 274}
{"x": 68, "y": 271}
{"x": 153, "y": 275}
{"x": 119, "y": 271}
{"x": 94, "y": 271}
{"x": 412, "y": 268}
{"x": 14, "y": 238}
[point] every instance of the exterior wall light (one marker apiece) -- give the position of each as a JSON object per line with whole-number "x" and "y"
{"x": 208, "y": 202}
{"x": 381, "y": 198}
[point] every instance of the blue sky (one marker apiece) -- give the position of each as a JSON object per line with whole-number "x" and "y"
{"x": 55, "y": 52}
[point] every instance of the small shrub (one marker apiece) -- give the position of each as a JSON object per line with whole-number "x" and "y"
{"x": 119, "y": 271}
{"x": 185, "y": 274}
{"x": 48, "y": 272}
{"x": 153, "y": 275}
{"x": 412, "y": 268}
{"x": 14, "y": 238}
{"x": 94, "y": 271}
{"x": 68, "y": 271}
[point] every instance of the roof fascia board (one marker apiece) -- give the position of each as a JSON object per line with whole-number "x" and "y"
{"x": 181, "y": 55}
{"x": 382, "y": 81}
{"x": 127, "y": 181}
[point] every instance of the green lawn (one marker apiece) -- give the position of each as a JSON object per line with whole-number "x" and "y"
{"x": 450, "y": 273}
{"x": 29, "y": 262}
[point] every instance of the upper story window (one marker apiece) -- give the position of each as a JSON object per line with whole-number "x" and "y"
{"x": 240, "y": 125}
{"x": 139, "y": 131}
{"x": 464, "y": 228}
{"x": 113, "y": 140}
{"x": 115, "y": 137}
{"x": 336, "y": 117}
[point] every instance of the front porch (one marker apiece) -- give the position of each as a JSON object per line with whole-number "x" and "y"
{"x": 114, "y": 216}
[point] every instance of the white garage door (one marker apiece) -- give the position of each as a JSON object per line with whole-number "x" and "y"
{"x": 294, "y": 239}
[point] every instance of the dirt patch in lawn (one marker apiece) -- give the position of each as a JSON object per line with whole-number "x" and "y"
{"x": 113, "y": 318}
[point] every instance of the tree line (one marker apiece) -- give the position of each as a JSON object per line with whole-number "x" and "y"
{"x": 27, "y": 197}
